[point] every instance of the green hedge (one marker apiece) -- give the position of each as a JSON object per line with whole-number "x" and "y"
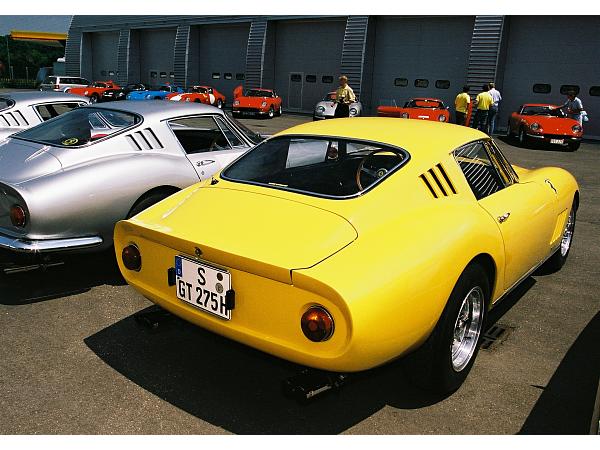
{"x": 17, "y": 83}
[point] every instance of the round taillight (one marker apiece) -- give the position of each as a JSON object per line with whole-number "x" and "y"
{"x": 18, "y": 217}
{"x": 317, "y": 324}
{"x": 132, "y": 259}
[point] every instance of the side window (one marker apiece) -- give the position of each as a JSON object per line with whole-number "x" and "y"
{"x": 506, "y": 171}
{"x": 480, "y": 172}
{"x": 234, "y": 140}
{"x": 55, "y": 109}
{"x": 199, "y": 134}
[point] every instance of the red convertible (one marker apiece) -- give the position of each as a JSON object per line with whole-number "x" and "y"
{"x": 543, "y": 122}
{"x": 257, "y": 101}
{"x": 422, "y": 108}
{"x": 200, "y": 94}
{"x": 95, "y": 90}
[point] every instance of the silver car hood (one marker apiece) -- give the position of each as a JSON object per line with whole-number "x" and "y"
{"x": 7, "y": 131}
{"x": 21, "y": 161}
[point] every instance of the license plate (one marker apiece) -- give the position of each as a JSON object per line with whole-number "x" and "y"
{"x": 202, "y": 286}
{"x": 248, "y": 113}
{"x": 557, "y": 141}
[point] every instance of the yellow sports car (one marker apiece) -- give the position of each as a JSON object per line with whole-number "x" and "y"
{"x": 341, "y": 245}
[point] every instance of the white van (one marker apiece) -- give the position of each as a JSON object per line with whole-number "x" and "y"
{"x": 62, "y": 83}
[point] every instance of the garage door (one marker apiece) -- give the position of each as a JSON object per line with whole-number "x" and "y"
{"x": 547, "y": 53}
{"x": 156, "y": 50}
{"x": 420, "y": 57}
{"x": 221, "y": 57}
{"x": 104, "y": 55}
{"x": 307, "y": 60}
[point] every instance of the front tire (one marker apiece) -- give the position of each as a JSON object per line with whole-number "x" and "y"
{"x": 573, "y": 146}
{"x": 443, "y": 362}
{"x": 219, "y": 104}
{"x": 523, "y": 140}
{"x": 94, "y": 98}
{"x": 271, "y": 113}
{"x": 509, "y": 133}
{"x": 279, "y": 112}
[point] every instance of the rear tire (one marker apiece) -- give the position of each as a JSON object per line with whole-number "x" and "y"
{"x": 146, "y": 202}
{"x": 94, "y": 98}
{"x": 559, "y": 257}
{"x": 443, "y": 362}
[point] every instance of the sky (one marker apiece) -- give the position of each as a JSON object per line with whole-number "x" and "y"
{"x": 52, "y": 24}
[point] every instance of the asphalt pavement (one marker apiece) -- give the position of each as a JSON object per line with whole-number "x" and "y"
{"x": 74, "y": 361}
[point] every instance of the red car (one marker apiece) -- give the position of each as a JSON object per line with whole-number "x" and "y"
{"x": 200, "y": 94}
{"x": 418, "y": 108}
{"x": 95, "y": 90}
{"x": 259, "y": 101}
{"x": 542, "y": 122}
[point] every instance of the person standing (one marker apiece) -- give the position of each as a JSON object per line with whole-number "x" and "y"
{"x": 344, "y": 97}
{"x": 461, "y": 106}
{"x": 483, "y": 103}
{"x": 574, "y": 107}
{"x": 493, "y": 113}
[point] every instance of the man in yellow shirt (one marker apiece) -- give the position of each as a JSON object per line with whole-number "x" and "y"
{"x": 461, "y": 106}
{"x": 344, "y": 97}
{"x": 483, "y": 101}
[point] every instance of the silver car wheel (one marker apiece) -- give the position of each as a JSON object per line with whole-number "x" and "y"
{"x": 565, "y": 243}
{"x": 467, "y": 329}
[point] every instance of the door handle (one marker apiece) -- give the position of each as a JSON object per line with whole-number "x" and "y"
{"x": 504, "y": 217}
{"x": 551, "y": 185}
{"x": 205, "y": 162}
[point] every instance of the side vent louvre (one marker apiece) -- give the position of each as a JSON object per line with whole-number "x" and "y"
{"x": 437, "y": 182}
{"x": 144, "y": 140}
{"x": 13, "y": 119}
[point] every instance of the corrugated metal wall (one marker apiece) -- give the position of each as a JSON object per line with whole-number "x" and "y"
{"x": 429, "y": 49}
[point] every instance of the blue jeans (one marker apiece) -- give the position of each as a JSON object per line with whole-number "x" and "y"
{"x": 491, "y": 120}
{"x": 480, "y": 121}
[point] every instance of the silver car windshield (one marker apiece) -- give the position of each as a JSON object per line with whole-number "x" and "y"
{"x": 6, "y": 103}
{"x": 322, "y": 166}
{"x": 80, "y": 127}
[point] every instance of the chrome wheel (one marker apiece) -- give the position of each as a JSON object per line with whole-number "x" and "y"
{"x": 467, "y": 328}
{"x": 565, "y": 243}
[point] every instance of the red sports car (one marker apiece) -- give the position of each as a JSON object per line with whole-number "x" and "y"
{"x": 543, "y": 122}
{"x": 200, "y": 94}
{"x": 418, "y": 108}
{"x": 259, "y": 101}
{"x": 95, "y": 90}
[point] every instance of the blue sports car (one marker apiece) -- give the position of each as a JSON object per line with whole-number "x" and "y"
{"x": 156, "y": 94}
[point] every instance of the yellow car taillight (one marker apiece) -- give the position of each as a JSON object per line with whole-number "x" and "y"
{"x": 317, "y": 324}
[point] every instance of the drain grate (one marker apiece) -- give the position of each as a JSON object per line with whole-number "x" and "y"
{"x": 496, "y": 333}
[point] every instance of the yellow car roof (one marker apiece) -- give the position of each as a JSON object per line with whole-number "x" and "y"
{"x": 423, "y": 139}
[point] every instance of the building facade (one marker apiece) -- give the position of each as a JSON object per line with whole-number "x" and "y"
{"x": 388, "y": 59}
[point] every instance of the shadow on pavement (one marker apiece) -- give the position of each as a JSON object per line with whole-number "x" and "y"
{"x": 567, "y": 402}
{"x": 238, "y": 388}
{"x": 79, "y": 274}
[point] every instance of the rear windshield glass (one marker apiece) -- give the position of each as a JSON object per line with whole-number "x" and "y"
{"x": 321, "y": 166}
{"x": 79, "y": 127}
{"x": 6, "y": 103}
{"x": 50, "y": 80}
{"x": 199, "y": 90}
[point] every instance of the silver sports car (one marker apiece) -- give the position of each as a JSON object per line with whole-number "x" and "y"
{"x": 21, "y": 110}
{"x": 65, "y": 182}
{"x": 325, "y": 109}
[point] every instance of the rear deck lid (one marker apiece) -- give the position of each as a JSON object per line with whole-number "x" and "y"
{"x": 22, "y": 161}
{"x": 257, "y": 233}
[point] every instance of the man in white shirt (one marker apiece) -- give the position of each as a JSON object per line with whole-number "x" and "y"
{"x": 497, "y": 98}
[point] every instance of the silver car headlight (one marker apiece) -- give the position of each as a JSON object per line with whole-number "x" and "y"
{"x": 187, "y": 99}
{"x": 320, "y": 109}
{"x": 404, "y": 115}
{"x": 353, "y": 111}
{"x": 442, "y": 118}
{"x": 576, "y": 128}
{"x": 534, "y": 126}
{"x": 148, "y": 96}
{"x": 263, "y": 104}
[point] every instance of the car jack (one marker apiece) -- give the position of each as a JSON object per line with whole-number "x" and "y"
{"x": 310, "y": 383}
{"x": 151, "y": 318}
